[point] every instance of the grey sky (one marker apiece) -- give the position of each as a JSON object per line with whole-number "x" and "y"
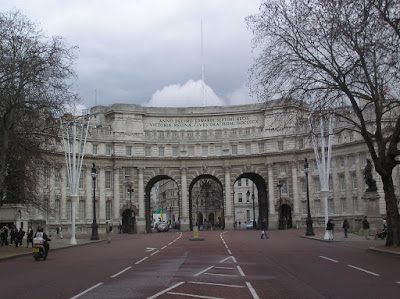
{"x": 148, "y": 52}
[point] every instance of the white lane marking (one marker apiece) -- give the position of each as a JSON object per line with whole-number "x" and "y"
{"x": 217, "y": 274}
{"x": 138, "y": 262}
{"x": 240, "y": 270}
{"x": 163, "y": 247}
{"x": 398, "y": 282}
{"x": 195, "y": 296}
{"x": 369, "y": 272}
{"x": 155, "y": 252}
{"x": 229, "y": 257}
{"x": 87, "y": 290}
{"x": 148, "y": 249}
{"x": 229, "y": 251}
{"x": 170, "y": 243}
{"x": 126, "y": 269}
{"x": 252, "y": 290}
{"x": 166, "y": 290}
{"x": 327, "y": 258}
{"x": 218, "y": 284}
{"x": 229, "y": 268}
{"x": 205, "y": 270}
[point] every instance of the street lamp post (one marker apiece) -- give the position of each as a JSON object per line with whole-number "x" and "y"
{"x": 95, "y": 234}
{"x": 279, "y": 186}
{"x": 309, "y": 221}
{"x": 254, "y": 211}
{"x": 131, "y": 191}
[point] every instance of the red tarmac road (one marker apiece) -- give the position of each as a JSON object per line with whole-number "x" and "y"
{"x": 227, "y": 264}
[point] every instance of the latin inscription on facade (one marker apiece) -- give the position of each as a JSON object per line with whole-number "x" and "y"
{"x": 201, "y": 123}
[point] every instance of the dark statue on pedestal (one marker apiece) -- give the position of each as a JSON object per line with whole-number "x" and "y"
{"x": 368, "y": 177}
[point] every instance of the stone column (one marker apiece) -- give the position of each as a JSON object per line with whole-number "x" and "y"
{"x": 117, "y": 199}
{"x": 271, "y": 190}
{"x": 229, "y": 217}
{"x": 185, "y": 226}
{"x": 102, "y": 202}
{"x": 295, "y": 189}
{"x": 141, "y": 221}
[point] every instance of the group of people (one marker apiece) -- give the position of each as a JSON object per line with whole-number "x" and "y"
{"x": 16, "y": 236}
{"x": 345, "y": 225}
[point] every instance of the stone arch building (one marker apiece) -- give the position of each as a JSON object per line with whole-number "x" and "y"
{"x": 134, "y": 147}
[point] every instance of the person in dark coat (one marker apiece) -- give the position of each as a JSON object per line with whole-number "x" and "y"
{"x": 346, "y": 226}
{"x": 264, "y": 229}
{"x": 29, "y": 237}
{"x": 13, "y": 233}
{"x": 329, "y": 227}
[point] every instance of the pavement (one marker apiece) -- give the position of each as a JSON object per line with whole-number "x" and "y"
{"x": 353, "y": 240}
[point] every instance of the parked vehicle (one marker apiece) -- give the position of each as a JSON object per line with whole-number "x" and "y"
{"x": 251, "y": 225}
{"x": 162, "y": 227}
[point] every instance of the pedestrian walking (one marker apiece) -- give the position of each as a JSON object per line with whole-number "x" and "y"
{"x": 120, "y": 228}
{"x": 366, "y": 228}
{"x": 29, "y": 237}
{"x": 5, "y": 241}
{"x": 108, "y": 231}
{"x": 20, "y": 236}
{"x": 13, "y": 233}
{"x": 264, "y": 229}
{"x": 2, "y": 236}
{"x": 345, "y": 226}
{"x": 329, "y": 227}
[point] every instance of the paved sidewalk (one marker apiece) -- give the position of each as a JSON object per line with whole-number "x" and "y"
{"x": 355, "y": 240}
{"x": 9, "y": 252}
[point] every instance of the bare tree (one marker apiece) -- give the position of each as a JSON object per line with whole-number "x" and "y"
{"x": 36, "y": 75}
{"x": 342, "y": 56}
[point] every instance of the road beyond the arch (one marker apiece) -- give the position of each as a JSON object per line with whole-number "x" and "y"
{"x": 227, "y": 264}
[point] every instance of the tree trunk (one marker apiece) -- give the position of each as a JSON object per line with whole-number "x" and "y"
{"x": 3, "y": 156}
{"x": 392, "y": 212}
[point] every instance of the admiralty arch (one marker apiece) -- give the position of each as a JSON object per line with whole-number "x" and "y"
{"x": 135, "y": 147}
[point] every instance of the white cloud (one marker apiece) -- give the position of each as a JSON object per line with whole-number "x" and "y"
{"x": 240, "y": 96}
{"x": 188, "y": 95}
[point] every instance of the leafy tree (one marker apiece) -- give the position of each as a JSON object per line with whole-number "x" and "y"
{"x": 341, "y": 56}
{"x": 36, "y": 75}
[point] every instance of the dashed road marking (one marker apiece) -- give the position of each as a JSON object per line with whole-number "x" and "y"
{"x": 166, "y": 290}
{"x": 240, "y": 270}
{"x": 126, "y": 269}
{"x": 357, "y": 268}
{"x": 327, "y": 258}
{"x": 87, "y": 290}
{"x": 205, "y": 270}
{"x": 163, "y": 247}
{"x": 155, "y": 252}
{"x": 138, "y": 262}
{"x": 252, "y": 290}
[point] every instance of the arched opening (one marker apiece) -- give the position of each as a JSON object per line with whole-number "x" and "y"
{"x": 205, "y": 202}
{"x": 162, "y": 202}
{"x": 286, "y": 216}
{"x": 250, "y": 200}
{"x": 128, "y": 225}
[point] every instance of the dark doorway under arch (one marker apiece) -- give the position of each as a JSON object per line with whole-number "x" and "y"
{"x": 286, "y": 216}
{"x": 126, "y": 223}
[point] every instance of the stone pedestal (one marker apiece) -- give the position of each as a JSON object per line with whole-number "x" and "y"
{"x": 371, "y": 200}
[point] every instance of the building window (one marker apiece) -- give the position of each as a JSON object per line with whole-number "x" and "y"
{"x": 240, "y": 197}
{"x": 108, "y": 209}
{"x": 234, "y": 150}
{"x": 108, "y": 180}
{"x": 283, "y": 168}
{"x": 127, "y": 172}
{"x": 248, "y": 148}
{"x": 341, "y": 161}
{"x": 303, "y": 186}
{"x": 331, "y": 205}
{"x": 45, "y": 177}
{"x": 351, "y": 136}
{"x": 317, "y": 185}
{"x": 248, "y": 197}
{"x": 248, "y": 216}
{"x": 304, "y": 207}
{"x": 69, "y": 210}
{"x": 343, "y": 204}
{"x": 354, "y": 180}
{"x": 57, "y": 209}
{"x": 280, "y": 145}
{"x": 108, "y": 150}
{"x": 218, "y": 150}
{"x": 355, "y": 203}
{"x": 239, "y": 182}
{"x": 128, "y": 150}
{"x": 94, "y": 149}
{"x": 339, "y": 138}
{"x": 147, "y": 151}
{"x": 204, "y": 150}
{"x": 175, "y": 151}
{"x": 57, "y": 178}
{"x": 318, "y": 206}
{"x": 191, "y": 151}
{"x": 82, "y": 210}
{"x": 284, "y": 189}
{"x": 161, "y": 151}
{"x": 330, "y": 183}
{"x": 301, "y": 143}
{"x": 261, "y": 148}
{"x": 247, "y": 182}
{"x": 82, "y": 179}
{"x": 342, "y": 182}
